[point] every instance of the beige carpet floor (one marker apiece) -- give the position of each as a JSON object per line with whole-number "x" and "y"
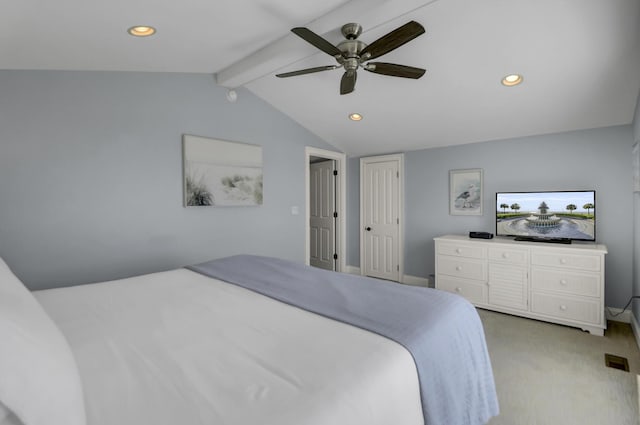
{"x": 549, "y": 374}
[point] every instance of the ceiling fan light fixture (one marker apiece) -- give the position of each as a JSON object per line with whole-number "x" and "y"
{"x": 355, "y": 117}
{"x": 141, "y": 31}
{"x": 512, "y": 80}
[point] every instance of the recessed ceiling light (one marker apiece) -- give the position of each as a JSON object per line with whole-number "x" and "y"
{"x": 512, "y": 80}
{"x": 355, "y": 117}
{"x": 141, "y": 31}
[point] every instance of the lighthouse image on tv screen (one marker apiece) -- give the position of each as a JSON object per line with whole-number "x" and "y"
{"x": 547, "y": 215}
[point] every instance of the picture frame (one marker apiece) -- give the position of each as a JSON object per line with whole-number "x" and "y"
{"x": 466, "y": 192}
{"x": 221, "y": 173}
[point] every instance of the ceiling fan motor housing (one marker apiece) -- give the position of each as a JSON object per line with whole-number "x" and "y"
{"x": 351, "y": 48}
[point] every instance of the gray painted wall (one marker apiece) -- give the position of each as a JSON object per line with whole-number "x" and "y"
{"x": 353, "y": 211}
{"x": 592, "y": 159}
{"x": 636, "y": 228}
{"x": 636, "y": 253}
{"x": 91, "y": 169}
{"x": 636, "y": 121}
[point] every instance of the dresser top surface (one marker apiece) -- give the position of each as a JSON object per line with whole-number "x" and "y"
{"x": 499, "y": 240}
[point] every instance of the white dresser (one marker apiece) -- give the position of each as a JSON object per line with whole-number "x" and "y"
{"x": 553, "y": 282}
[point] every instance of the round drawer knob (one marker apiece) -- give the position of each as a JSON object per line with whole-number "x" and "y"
{"x": 458, "y": 289}
{"x": 459, "y": 268}
{"x": 458, "y": 251}
{"x": 563, "y": 261}
{"x": 505, "y": 255}
{"x": 563, "y": 282}
{"x": 563, "y": 307}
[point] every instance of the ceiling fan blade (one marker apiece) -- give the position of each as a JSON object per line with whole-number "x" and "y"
{"x": 394, "y": 70}
{"x": 393, "y": 40}
{"x": 348, "y": 82}
{"x": 319, "y": 42}
{"x": 307, "y": 71}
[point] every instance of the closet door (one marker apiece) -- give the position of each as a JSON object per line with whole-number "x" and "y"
{"x": 380, "y": 211}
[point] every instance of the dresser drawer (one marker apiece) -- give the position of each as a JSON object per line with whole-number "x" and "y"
{"x": 568, "y": 308}
{"x": 509, "y": 255}
{"x": 473, "y": 291}
{"x": 565, "y": 260}
{"x": 466, "y": 268}
{"x": 569, "y": 282}
{"x": 462, "y": 250}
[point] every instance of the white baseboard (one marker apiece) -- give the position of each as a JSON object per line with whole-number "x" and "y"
{"x": 352, "y": 270}
{"x": 415, "y": 281}
{"x": 623, "y": 317}
{"x": 406, "y": 279}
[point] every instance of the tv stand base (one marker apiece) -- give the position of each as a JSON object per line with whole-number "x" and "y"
{"x": 548, "y": 240}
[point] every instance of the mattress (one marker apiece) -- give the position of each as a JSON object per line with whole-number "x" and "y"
{"x": 178, "y": 347}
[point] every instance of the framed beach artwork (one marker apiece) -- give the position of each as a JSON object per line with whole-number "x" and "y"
{"x": 221, "y": 173}
{"x": 465, "y": 192}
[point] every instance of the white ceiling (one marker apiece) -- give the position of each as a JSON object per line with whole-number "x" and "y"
{"x": 580, "y": 60}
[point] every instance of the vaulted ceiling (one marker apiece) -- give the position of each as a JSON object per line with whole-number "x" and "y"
{"x": 580, "y": 60}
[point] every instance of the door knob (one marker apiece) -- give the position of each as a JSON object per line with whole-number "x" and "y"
{"x": 368, "y": 229}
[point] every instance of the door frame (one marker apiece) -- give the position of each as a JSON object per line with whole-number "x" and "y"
{"x": 341, "y": 202}
{"x": 384, "y": 158}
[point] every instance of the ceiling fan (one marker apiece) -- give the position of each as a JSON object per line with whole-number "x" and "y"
{"x": 352, "y": 53}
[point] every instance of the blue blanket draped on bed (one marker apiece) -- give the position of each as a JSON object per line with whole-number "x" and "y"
{"x": 442, "y": 331}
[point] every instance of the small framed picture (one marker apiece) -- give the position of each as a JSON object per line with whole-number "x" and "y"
{"x": 465, "y": 192}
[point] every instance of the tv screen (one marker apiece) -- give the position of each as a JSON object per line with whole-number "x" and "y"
{"x": 560, "y": 215}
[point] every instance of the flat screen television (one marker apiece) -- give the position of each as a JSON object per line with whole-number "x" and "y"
{"x": 560, "y": 216}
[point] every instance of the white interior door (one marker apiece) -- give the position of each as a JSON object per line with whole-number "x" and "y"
{"x": 322, "y": 210}
{"x": 380, "y": 210}
{"x": 340, "y": 160}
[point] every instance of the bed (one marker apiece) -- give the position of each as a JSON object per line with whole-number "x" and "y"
{"x": 241, "y": 340}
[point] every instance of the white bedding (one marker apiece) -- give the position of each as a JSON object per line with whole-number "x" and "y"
{"x": 181, "y": 348}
